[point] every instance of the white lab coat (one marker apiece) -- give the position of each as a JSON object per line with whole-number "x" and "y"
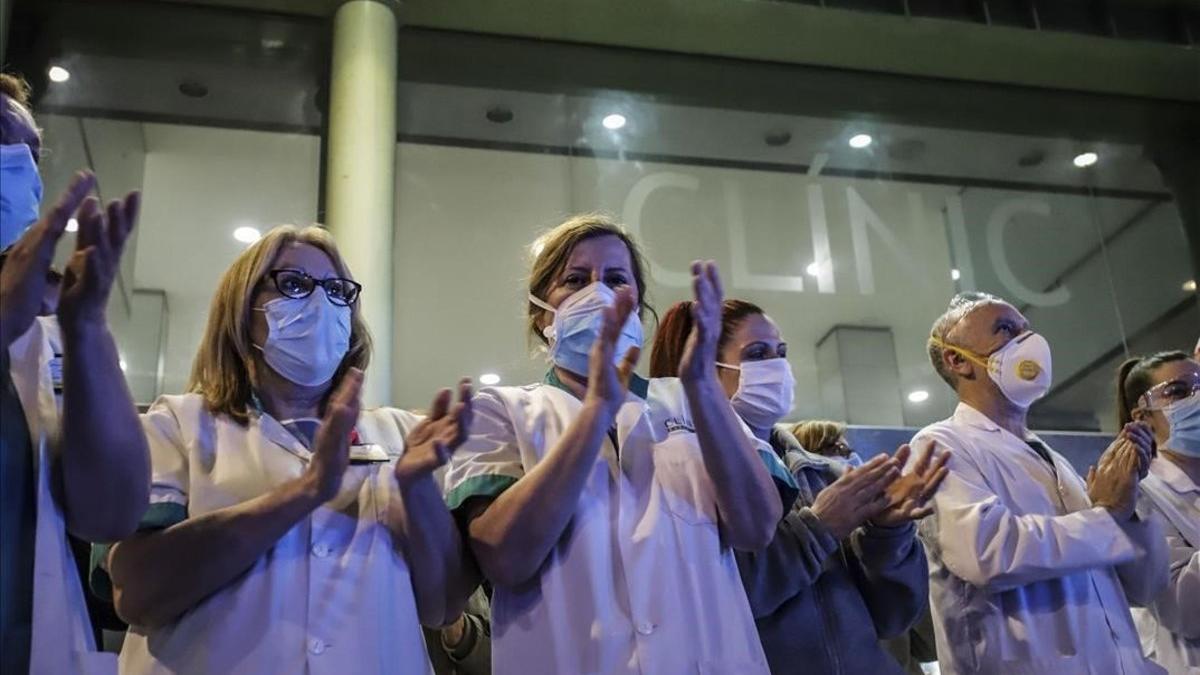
{"x": 1025, "y": 576}
{"x": 62, "y": 640}
{"x": 1171, "y": 625}
{"x": 640, "y": 581}
{"x": 332, "y": 596}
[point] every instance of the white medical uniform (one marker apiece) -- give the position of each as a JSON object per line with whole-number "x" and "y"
{"x": 1171, "y": 625}
{"x": 1025, "y": 575}
{"x": 62, "y": 640}
{"x": 640, "y": 581}
{"x": 333, "y": 595}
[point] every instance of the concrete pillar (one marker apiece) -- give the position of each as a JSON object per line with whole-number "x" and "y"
{"x": 859, "y": 377}
{"x": 360, "y": 180}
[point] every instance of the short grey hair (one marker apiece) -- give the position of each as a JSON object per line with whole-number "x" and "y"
{"x": 960, "y": 306}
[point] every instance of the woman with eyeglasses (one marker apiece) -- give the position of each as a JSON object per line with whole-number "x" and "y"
{"x": 289, "y": 530}
{"x": 844, "y": 567}
{"x": 1163, "y": 391}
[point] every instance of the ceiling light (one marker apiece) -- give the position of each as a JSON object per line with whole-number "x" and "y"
{"x": 193, "y": 89}
{"x": 860, "y": 141}
{"x": 813, "y": 269}
{"x": 121, "y": 362}
{"x": 918, "y": 396}
{"x": 499, "y": 114}
{"x": 955, "y": 274}
{"x": 1190, "y": 285}
{"x": 59, "y": 74}
{"x": 614, "y": 121}
{"x": 489, "y": 379}
{"x": 1085, "y": 159}
{"x": 1031, "y": 159}
{"x": 247, "y": 234}
{"x": 72, "y": 225}
{"x": 777, "y": 138}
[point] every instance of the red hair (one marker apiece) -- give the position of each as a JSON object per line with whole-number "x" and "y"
{"x": 676, "y": 325}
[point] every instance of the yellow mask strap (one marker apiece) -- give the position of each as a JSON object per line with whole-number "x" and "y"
{"x": 966, "y": 354}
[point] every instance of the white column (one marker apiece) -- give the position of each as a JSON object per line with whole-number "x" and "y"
{"x": 360, "y": 180}
{"x": 860, "y": 381}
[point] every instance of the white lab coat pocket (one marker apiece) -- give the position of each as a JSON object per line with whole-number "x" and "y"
{"x": 682, "y": 482}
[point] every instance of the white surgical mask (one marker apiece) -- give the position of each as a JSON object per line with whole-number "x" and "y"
{"x": 20, "y": 192}
{"x": 765, "y": 393}
{"x": 1021, "y": 368}
{"x": 577, "y": 324}
{"x": 307, "y": 338}
{"x": 1184, "y": 417}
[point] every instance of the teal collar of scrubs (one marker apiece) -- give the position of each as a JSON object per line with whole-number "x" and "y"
{"x": 638, "y": 386}
{"x": 256, "y": 403}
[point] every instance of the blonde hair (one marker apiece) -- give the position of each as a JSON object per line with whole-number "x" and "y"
{"x": 816, "y": 435}
{"x": 552, "y": 249}
{"x": 223, "y": 369}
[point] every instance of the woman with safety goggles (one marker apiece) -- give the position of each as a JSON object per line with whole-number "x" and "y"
{"x": 1163, "y": 391}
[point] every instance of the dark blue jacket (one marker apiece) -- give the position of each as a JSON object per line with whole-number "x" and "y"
{"x": 821, "y": 605}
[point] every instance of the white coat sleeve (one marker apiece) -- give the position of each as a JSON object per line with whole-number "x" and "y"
{"x": 489, "y": 462}
{"x": 1145, "y": 575}
{"x": 985, "y": 544}
{"x": 168, "y": 484}
{"x": 1177, "y": 607}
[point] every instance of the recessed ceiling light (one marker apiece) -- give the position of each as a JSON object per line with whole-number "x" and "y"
{"x": 193, "y": 89}
{"x": 59, "y": 74}
{"x": 778, "y": 138}
{"x": 72, "y": 225}
{"x": 860, "y": 141}
{"x": 1190, "y": 285}
{"x": 614, "y": 121}
{"x": 499, "y": 114}
{"x": 1031, "y": 159}
{"x": 918, "y": 396}
{"x": 247, "y": 234}
{"x": 813, "y": 269}
{"x": 955, "y": 274}
{"x": 1085, "y": 159}
{"x": 489, "y": 379}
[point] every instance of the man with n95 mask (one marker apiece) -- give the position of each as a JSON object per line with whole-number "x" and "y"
{"x": 1032, "y": 568}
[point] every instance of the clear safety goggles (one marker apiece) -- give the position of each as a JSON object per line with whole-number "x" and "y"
{"x": 1164, "y": 394}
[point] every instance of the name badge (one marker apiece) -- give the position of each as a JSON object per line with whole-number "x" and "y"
{"x": 679, "y": 425}
{"x": 56, "y": 373}
{"x": 367, "y": 453}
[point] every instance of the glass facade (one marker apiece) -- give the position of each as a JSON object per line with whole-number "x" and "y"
{"x": 851, "y": 206}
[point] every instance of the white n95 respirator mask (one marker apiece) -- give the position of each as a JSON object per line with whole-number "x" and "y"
{"x": 1021, "y": 368}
